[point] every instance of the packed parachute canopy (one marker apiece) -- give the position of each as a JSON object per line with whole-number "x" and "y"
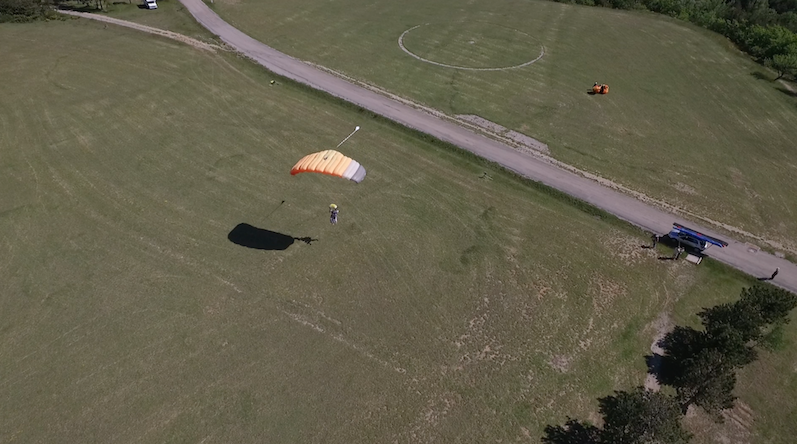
{"x": 332, "y": 163}
{"x": 600, "y": 89}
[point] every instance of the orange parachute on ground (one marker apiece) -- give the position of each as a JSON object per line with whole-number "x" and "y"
{"x": 332, "y": 163}
{"x": 600, "y": 89}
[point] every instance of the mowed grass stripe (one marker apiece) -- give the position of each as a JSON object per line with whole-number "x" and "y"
{"x": 442, "y": 306}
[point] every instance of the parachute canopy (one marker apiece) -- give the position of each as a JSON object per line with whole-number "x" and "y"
{"x": 600, "y": 89}
{"x": 332, "y": 163}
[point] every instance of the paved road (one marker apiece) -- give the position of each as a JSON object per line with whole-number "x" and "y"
{"x": 736, "y": 254}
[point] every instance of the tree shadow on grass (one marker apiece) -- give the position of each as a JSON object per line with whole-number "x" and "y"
{"x": 662, "y": 367}
{"x": 82, "y": 8}
{"x": 760, "y": 75}
{"x": 248, "y": 236}
{"x": 788, "y": 92}
{"x": 653, "y": 362}
{"x": 573, "y": 432}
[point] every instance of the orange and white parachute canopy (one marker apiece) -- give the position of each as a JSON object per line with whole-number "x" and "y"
{"x": 332, "y": 163}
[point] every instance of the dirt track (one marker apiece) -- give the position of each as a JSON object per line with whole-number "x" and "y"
{"x": 737, "y": 254}
{"x": 149, "y": 29}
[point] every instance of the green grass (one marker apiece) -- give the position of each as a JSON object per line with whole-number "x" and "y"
{"x": 687, "y": 121}
{"x": 442, "y": 307}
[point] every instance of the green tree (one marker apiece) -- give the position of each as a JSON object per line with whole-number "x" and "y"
{"x": 708, "y": 382}
{"x": 701, "y": 365}
{"x": 641, "y": 417}
{"x": 684, "y": 344}
{"x": 759, "y": 309}
{"x": 679, "y": 346}
{"x": 25, "y": 10}
{"x": 573, "y": 432}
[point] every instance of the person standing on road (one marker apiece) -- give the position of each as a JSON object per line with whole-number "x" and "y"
{"x": 775, "y": 273}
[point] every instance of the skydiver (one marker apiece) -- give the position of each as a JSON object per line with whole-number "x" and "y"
{"x": 333, "y": 215}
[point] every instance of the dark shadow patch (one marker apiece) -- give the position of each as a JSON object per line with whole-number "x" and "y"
{"x": 653, "y": 362}
{"x": 488, "y": 214}
{"x": 307, "y": 239}
{"x": 248, "y": 236}
{"x": 470, "y": 255}
{"x": 787, "y": 91}
{"x": 353, "y": 229}
{"x": 90, "y": 9}
{"x": 760, "y": 75}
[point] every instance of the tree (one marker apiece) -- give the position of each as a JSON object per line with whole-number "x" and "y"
{"x": 573, "y": 432}
{"x": 20, "y": 10}
{"x": 682, "y": 345}
{"x": 758, "y": 310}
{"x": 641, "y": 417}
{"x": 708, "y": 382}
{"x": 679, "y": 346}
{"x": 701, "y": 365}
{"x": 764, "y": 42}
{"x": 773, "y": 303}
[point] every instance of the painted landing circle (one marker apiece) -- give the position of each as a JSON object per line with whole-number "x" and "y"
{"x": 464, "y": 68}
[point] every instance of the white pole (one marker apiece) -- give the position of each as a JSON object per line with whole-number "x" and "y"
{"x": 347, "y": 137}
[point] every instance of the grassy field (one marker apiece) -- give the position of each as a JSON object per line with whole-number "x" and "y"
{"x": 689, "y": 120}
{"x": 443, "y": 307}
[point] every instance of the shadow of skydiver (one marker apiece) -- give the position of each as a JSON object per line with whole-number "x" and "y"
{"x": 248, "y": 236}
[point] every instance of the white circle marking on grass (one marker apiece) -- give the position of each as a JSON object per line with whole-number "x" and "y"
{"x": 466, "y": 68}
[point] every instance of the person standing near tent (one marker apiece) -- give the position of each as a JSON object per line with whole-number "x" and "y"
{"x": 333, "y": 214}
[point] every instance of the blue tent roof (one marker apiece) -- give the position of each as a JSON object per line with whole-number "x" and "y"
{"x": 711, "y": 240}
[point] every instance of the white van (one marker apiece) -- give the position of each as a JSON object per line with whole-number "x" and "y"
{"x": 151, "y": 4}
